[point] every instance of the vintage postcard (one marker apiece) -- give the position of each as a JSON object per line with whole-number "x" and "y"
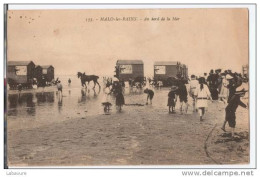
{"x": 127, "y": 87}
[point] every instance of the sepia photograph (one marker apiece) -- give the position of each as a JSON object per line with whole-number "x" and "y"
{"x": 127, "y": 87}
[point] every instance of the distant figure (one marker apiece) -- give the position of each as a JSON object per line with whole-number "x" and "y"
{"x": 150, "y": 95}
{"x": 202, "y": 94}
{"x": 69, "y": 81}
{"x": 43, "y": 83}
{"x": 205, "y": 76}
{"x": 34, "y": 83}
{"x": 59, "y": 87}
{"x": 172, "y": 98}
{"x": 213, "y": 84}
{"x": 193, "y": 85}
{"x": 19, "y": 87}
{"x": 106, "y": 99}
{"x": 160, "y": 84}
{"x": 183, "y": 95}
{"x": 231, "y": 108}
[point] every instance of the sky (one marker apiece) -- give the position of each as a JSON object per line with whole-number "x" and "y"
{"x": 203, "y": 39}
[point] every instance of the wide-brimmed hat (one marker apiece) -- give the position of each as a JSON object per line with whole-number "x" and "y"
{"x": 115, "y": 79}
{"x": 240, "y": 90}
{"x": 228, "y": 76}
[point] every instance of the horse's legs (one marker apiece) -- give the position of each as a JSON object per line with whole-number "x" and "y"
{"x": 94, "y": 84}
{"x": 88, "y": 87}
{"x": 98, "y": 84}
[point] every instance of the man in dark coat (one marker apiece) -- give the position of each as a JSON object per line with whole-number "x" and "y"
{"x": 213, "y": 84}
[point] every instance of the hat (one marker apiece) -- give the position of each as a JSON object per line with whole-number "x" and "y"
{"x": 228, "y": 76}
{"x": 173, "y": 88}
{"x": 240, "y": 90}
{"x": 115, "y": 79}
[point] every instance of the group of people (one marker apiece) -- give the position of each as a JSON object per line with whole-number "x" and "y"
{"x": 224, "y": 86}
{"x": 227, "y": 87}
{"x": 116, "y": 89}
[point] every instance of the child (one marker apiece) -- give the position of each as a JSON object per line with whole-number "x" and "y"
{"x": 232, "y": 107}
{"x": 172, "y": 99}
{"x": 150, "y": 95}
{"x": 193, "y": 85}
{"x": 106, "y": 100}
{"x": 202, "y": 94}
{"x": 183, "y": 95}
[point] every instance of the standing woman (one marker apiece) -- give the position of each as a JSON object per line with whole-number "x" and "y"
{"x": 117, "y": 90}
{"x": 223, "y": 95}
{"x": 202, "y": 94}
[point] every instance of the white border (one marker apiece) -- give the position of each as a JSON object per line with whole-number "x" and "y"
{"x": 252, "y": 63}
{"x": 119, "y": 6}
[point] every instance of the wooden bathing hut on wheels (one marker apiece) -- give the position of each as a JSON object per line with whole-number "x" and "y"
{"x": 130, "y": 70}
{"x": 168, "y": 72}
{"x": 20, "y": 72}
{"x": 48, "y": 72}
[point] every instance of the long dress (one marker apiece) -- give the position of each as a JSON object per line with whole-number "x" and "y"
{"x": 202, "y": 96}
{"x": 182, "y": 92}
{"x": 171, "y": 98}
{"x": 106, "y": 100}
{"x": 224, "y": 90}
{"x": 120, "y": 100}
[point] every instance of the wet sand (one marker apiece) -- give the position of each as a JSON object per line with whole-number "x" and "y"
{"x": 79, "y": 134}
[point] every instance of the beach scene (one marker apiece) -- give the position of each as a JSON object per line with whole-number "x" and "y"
{"x": 129, "y": 87}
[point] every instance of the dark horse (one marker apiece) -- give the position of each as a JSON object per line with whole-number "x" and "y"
{"x": 87, "y": 78}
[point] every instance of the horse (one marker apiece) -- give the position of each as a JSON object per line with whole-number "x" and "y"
{"x": 87, "y": 78}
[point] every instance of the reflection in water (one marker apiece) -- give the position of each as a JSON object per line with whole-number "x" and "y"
{"x": 25, "y": 102}
{"x": 13, "y": 100}
{"x": 43, "y": 97}
{"x": 83, "y": 97}
{"x": 60, "y": 104}
{"x": 96, "y": 93}
{"x": 30, "y": 105}
{"x": 86, "y": 94}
